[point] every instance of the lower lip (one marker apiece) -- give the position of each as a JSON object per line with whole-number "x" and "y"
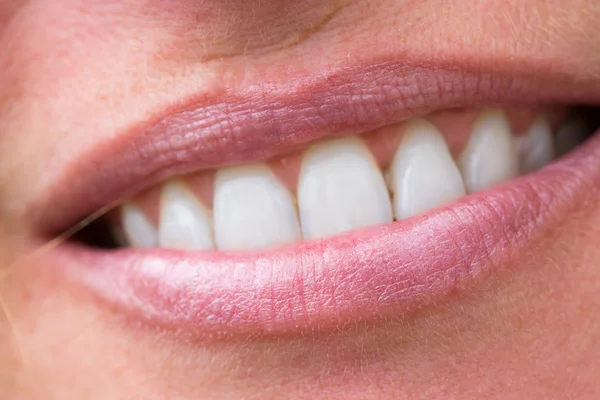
{"x": 356, "y": 277}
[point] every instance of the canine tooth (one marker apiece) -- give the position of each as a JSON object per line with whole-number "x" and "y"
{"x": 423, "y": 173}
{"x": 184, "y": 221}
{"x": 490, "y": 156}
{"x": 536, "y": 148}
{"x": 341, "y": 188}
{"x": 136, "y": 226}
{"x": 253, "y": 209}
{"x": 570, "y": 135}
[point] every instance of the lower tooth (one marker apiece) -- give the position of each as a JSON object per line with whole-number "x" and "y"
{"x": 253, "y": 209}
{"x": 423, "y": 173}
{"x": 184, "y": 222}
{"x": 340, "y": 188}
{"x": 490, "y": 156}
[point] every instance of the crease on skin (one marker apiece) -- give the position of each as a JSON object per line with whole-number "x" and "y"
{"x": 292, "y": 40}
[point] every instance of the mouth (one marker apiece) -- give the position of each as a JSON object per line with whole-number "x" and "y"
{"x": 324, "y": 201}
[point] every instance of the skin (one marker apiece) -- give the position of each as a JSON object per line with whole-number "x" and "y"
{"x": 74, "y": 75}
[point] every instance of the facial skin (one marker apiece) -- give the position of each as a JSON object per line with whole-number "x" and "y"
{"x": 78, "y": 75}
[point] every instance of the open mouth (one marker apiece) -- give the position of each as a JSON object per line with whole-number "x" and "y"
{"x": 326, "y": 220}
{"x": 341, "y": 185}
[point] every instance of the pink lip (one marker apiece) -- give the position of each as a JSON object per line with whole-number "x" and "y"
{"x": 360, "y": 276}
{"x": 259, "y": 118}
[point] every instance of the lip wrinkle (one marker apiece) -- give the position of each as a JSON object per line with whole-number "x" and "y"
{"x": 270, "y": 118}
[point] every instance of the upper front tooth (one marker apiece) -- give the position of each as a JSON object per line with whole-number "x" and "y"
{"x": 137, "y": 228}
{"x": 490, "y": 156}
{"x": 184, "y": 222}
{"x": 341, "y": 188}
{"x": 253, "y": 209}
{"x": 423, "y": 174}
{"x": 537, "y": 146}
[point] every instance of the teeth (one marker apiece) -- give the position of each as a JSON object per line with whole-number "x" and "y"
{"x": 490, "y": 156}
{"x": 341, "y": 188}
{"x": 137, "y": 228}
{"x": 570, "y": 135}
{"x": 184, "y": 222}
{"x": 253, "y": 209}
{"x": 423, "y": 174}
{"x": 536, "y": 148}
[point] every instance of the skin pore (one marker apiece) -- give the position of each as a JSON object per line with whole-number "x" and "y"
{"x": 77, "y": 76}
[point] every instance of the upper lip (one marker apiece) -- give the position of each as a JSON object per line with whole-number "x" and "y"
{"x": 235, "y": 124}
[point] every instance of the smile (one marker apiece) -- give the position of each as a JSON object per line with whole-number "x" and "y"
{"x": 238, "y": 220}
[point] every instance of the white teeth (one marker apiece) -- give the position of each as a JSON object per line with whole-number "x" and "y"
{"x": 536, "y": 148}
{"x": 184, "y": 222}
{"x": 570, "y": 135}
{"x": 341, "y": 188}
{"x": 423, "y": 173}
{"x": 137, "y": 228}
{"x": 253, "y": 209}
{"x": 490, "y": 156}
